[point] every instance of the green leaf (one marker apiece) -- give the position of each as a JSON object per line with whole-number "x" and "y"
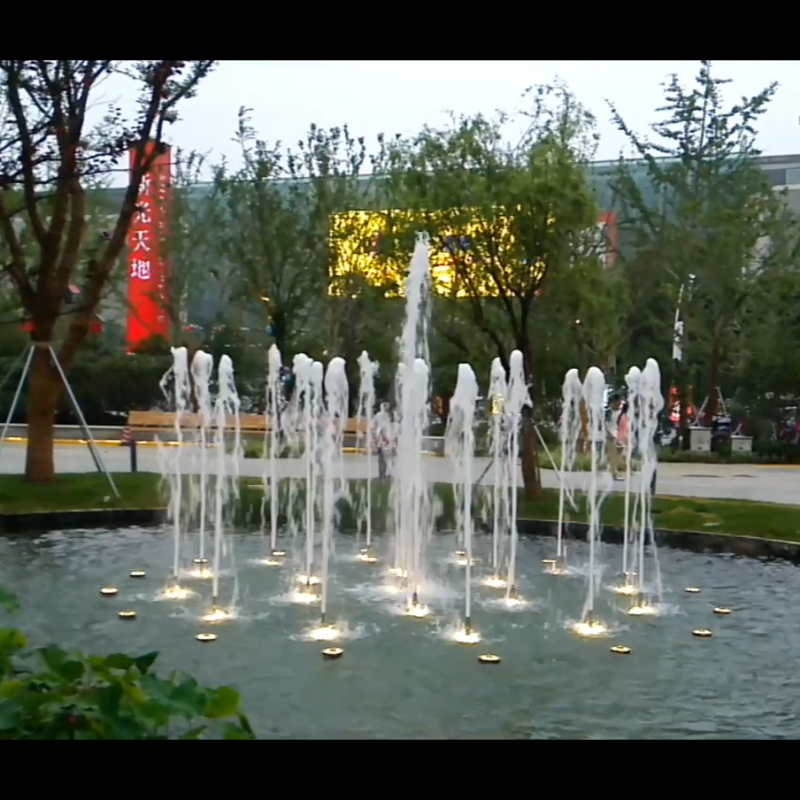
{"x": 187, "y": 700}
{"x": 126, "y": 729}
{"x": 10, "y": 689}
{"x": 143, "y": 663}
{"x": 53, "y": 657}
{"x": 11, "y": 712}
{"x": 8, "y": 601}
{"x": 12, "y": 640}
{"x": 153, "y": 712}
{"x": 59, "y": 663}
{"x": 194, "y": 733}
{"x": 245, "y": 723}
{"x": 118, "y": 661}
{"x": 72, "y": 671}
{"x": 232, "y": 731}
{"x": 108, "y": 699}
{"x": 222, "y": 702}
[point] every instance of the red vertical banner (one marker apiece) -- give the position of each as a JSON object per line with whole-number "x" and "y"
{"x": 607, "y": 223}
{"x": 147, "y": 268}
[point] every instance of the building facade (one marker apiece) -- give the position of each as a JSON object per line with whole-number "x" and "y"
{"x": 782, "y": 172}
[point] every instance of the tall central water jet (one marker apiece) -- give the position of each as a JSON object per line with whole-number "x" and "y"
{"x": 632, "y": 381}
{"x": 651, "y": 402}
{"x": 182, "y": 398}
{"x": 226, "y": 415}
{"x": 594, "y": 387}
{"x": 571, "y": 394}
{"x": 518, "y": 398}
{"x": 313, "y": 419}
{"x": 202, "y": 366}
{"x": 336, "y": 402}
{"x": 410, "y": 488}
{"x": 273, "y": 417}
{"x": 461, "y": 438}
{"x": 498, "y": 389}
{"x": 366, "y": 407}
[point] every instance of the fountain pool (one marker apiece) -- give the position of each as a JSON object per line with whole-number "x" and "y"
{"x": 403, "y": 678}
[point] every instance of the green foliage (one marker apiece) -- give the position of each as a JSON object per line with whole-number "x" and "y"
{"x": 710, "y": 234}
{"x": 49, "y": 693}
{"x": 505, "y": 217}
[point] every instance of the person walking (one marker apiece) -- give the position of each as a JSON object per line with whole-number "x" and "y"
{"x": 383, "y": 423}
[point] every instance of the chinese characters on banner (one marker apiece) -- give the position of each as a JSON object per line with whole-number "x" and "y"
{"x": 147, "y": 269}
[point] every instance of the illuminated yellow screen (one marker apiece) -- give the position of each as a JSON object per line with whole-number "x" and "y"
{"x": 354, "y": 239}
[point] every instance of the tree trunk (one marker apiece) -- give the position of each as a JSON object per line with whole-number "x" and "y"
{"x": 531, "y": 476}
{"x": 44, "y": 393}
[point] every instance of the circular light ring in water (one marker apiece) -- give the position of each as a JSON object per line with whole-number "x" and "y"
{"x": 206, "y": 637}
{"x": 621, "y": 650}
{"x": 489, "y": 658}
{"x": 722, "y": 611}
{"x": 331, "y": 653}
{"x": 200, "y": 561}
{"x": 692, "y": 590}
{"x": 127, "y": 615}
{"x": 138, "y": 573}
{"x": 109, "y": 591}
{"x": 702, "y": 633}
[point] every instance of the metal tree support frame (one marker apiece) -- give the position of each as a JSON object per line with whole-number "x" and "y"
{"x": 90, "y": 442}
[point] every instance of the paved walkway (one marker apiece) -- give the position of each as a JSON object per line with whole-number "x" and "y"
{"x": 742, "y": 482}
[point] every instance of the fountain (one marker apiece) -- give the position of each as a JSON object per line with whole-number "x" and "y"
{"x": 498, "y": 389}
{"x": 632, "y": 380}
{"x": 571, "y": 394}
{"x": 594, "y": 387}
{"x": 460, "y": 431}
{"x": 366, "y": 433}
{"x": 202, "y": 367}
{"x": 409, "y": 487}
{"x": 313, "y": 419}
{"x": 518, "y": 398}
{"x": 274, "y": 402}
{"x": 650, "y": 403}
{"x": 336, "y": 403}
{"x": 226, "y": 486}
{"x": 181, "y": 395}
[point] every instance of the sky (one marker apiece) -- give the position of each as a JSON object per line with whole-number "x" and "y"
{"x": 390, "y": 97}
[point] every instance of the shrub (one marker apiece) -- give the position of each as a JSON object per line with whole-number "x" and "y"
{"x": 48, "y": 693}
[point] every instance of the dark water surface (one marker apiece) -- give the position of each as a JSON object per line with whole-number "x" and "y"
{"x": 402, "y": 678}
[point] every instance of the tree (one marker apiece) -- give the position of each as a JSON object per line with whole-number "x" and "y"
{"x": 47, "y": 155}
{"x": 588, "y": 306}
{"x": 277, "y": 233}
{"x": 501, "y": 219}
{"x": 707, "y": 224}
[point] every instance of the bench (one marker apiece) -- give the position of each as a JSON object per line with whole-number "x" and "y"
{"x": 356, "y": 426}
{"x": 154, "y": 421}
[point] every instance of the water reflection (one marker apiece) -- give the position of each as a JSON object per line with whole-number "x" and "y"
{"x": 402, "y": 679}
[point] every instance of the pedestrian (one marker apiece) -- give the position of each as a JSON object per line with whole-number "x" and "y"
{"x": 383, "y": 422}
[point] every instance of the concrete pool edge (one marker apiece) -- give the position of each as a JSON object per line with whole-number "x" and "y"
{"x": 694, "y": 541}
{"x": 40, "y": 521}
